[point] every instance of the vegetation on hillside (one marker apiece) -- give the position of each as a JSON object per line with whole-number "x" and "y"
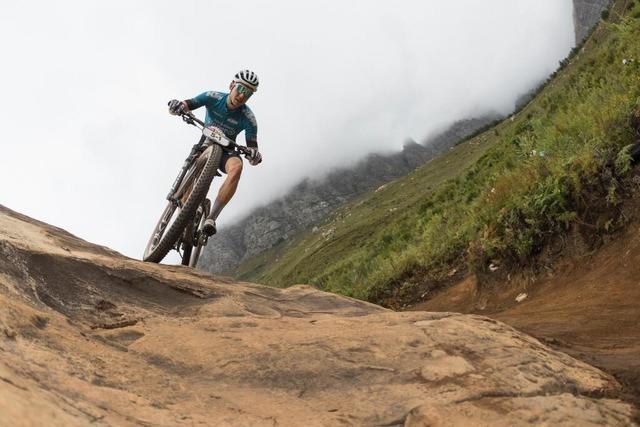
{"x": 497, "y": 198}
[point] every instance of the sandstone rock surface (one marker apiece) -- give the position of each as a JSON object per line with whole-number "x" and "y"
{"x": 88, "y": 336}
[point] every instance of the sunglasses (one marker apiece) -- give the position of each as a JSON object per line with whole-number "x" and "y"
{"x": 244, "y": 90}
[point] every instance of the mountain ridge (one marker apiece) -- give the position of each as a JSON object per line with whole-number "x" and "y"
{"x": 311, "y": 201}
{"x": 498, "y": 198}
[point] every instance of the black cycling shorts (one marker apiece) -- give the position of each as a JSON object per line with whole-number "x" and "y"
{"x": 226, "y": 155}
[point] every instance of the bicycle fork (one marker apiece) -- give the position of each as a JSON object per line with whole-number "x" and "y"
{"x": 173, "y": 193}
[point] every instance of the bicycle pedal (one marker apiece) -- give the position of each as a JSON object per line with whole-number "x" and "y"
{"x": 202, "y": 240}
{"x": 209, "y": 228}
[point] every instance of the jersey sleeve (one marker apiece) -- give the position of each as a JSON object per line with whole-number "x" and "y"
{"x": 250, "y": 129}
{"x": 203, "y": 99}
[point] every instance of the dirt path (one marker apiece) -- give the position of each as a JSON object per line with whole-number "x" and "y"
{"x": 589, "y": 307}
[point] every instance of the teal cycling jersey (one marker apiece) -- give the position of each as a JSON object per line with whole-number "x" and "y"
{"x": 231, "y": 122}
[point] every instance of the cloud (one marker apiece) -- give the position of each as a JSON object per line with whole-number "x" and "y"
{"x": 87, "y": 143}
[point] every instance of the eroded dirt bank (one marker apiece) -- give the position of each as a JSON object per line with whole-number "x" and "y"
{"x": 88, "y": 336}
{"x": 587, "y": 305}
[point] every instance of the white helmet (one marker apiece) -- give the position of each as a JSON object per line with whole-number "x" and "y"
{"x": 247, "y": 78}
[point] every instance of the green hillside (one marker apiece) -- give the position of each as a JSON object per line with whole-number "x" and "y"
{"x": 499, "y": 197}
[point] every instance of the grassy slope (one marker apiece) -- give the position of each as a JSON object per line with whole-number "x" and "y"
{"x": 491, "y": 199}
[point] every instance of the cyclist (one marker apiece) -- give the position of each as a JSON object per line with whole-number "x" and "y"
{"x": 229, "y": 113}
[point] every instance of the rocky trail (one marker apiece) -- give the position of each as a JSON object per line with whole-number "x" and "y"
{"x": 90, "y": 337}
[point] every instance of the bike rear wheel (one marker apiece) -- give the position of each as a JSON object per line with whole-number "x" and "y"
{"x": 194, "y": 239}
{"x": 174, "y": 219}
{"x": 201, "y": 238}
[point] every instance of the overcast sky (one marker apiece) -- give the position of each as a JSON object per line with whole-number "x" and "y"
{"x": 87, "y": 144}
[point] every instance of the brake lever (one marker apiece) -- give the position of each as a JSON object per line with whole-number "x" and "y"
{"x": 188, "y": 118}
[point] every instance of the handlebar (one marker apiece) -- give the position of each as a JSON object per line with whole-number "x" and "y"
{"x": 189, "y": 118}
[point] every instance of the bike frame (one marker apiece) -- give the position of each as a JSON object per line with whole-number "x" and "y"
{"x": 212, "y": 135}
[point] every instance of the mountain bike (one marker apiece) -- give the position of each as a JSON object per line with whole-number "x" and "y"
{"x": 180, "y": 225}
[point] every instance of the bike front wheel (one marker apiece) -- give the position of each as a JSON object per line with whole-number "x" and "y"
{"x": 174, "y": 219}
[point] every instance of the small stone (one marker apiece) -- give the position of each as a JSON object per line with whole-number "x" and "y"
{"x": 10, "y": 333}
{"x": 39, "y": 321}
{"x": 423, "y": 322}
{"x": 443, "y": 367}
{"x": 436, "y": 354}
{"x": 521, "y": 297}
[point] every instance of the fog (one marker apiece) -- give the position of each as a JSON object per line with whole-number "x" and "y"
{"x": 87, "y": 144}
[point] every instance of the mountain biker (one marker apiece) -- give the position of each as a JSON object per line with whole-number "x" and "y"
{"x": 229, "y": 113}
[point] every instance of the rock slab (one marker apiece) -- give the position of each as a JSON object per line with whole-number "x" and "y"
{"x": 88, "y": 336}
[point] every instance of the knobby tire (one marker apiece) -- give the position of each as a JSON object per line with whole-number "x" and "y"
{"x": 194, "y": 254}
{"x": 198, "y": 193}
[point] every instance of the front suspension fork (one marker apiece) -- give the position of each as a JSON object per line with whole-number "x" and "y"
{"x": 195, "y": 151}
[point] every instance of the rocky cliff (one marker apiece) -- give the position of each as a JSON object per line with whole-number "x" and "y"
{"x": 90, "y": 337}
{"x": 586, "y": 14}
{"x": 310, "y": 201}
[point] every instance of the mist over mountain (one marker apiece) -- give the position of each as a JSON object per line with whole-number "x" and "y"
{"x": 310, "y": 201}
{"x": 339, "y": 80}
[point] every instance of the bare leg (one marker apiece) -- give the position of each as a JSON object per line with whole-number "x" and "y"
{"x": 226, "y": 192}
{"x": 230, "y": 184}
